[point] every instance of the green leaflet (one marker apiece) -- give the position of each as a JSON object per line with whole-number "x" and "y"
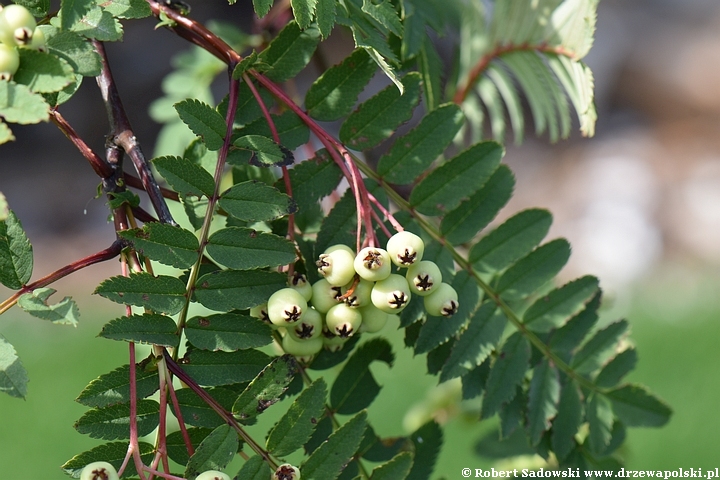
{"x": 197, "y": 412}
{"x": 127, "y": 8}
{"x": 186, "y": 177}
{"x": 18, "y": 104}
{"x": 248, "y": 109}
{"x": 599, "y": 348}
{"x": 512, "y": 413}
{"x": 543, "y": 399}
{"x": 600, "y": 419}
{"x": 113, "y": 422}
{"x": 227, "y": 290}
{"x": 244, "y": 248}
{"x": 568, "y": 337}
{"x": 262, "y": 7}
{"x": 162, "y": 293}
{"x": 510, "y": 241}
{"x": 263, "y": 151}
{"x": 177, "y": 451}
{"x": 473, "y": 382}
{"x": 411, "y": 154}
{"x": 72, "y": 11}
{"x": 303, "y": 11}
{"x": 325, "y": 12}
{"x": 255, "y": 201}
{"x": 13, "y": 376}
{"x": 476, "y": 343}
{"x": 506, "y": 373}
{"x": 74, "y": 49}
{"x": 297, "y": 424}
{"x": 114, "y": 453}
{"x": 65, "y": 312}
{"x": 223, "y": 368}
{"x": 327, "y": 359}
{"x": 396, "y": 469}
{"x": 385, "y": 14}
{"x": 329, "y": 459}
{"x": 289, "y": 51}
{"x": 167, "y": 244}
{"x": 427, "y": 441}
{"x": 16, "y": 258}
{"x": 99, "y": 25}
{"x": 430, "y": 66}
{"x": 266, "y": 388}
{"x": 290, "y": 128}
{"x": 569, "y": 418}
{"x": 6, "y": 134}
{"x": 39, "y": 8}
{"x": 147, "y": 328}
{"x": 554, "y": 309}
{"x": 617, "y": 368}
{"x": 532, "y": 271}
{"x": 377, "y": 118}
{"x": 204, "y": 121}
{"x": 43, "y": 72}
{"x": 475, "y": 213}
{"x": 446, "y": 186}
{"x": 114, "y": 387}
{"x": 227, "y": 332}
{"x": 214, "y": 452}
{"x": 333, "y": 95}
{"x": 636, "y": 407}
{"x": 355, "y": 388}
{"x": 255, "y": 469}
{"x": 438, "y": 330}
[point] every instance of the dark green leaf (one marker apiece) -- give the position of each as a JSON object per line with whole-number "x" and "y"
{"x": 355, "y": 388}
{"x": 39, "y": 8}
{"x": 20, "y": 105}
{"x": 333, "y": 95}
{"x": 127, "y": 8}
{"x": 617, "y": 368}
{"x": 635, "y": 406}
{"x": 601, "y": 347}
{"x": 290, "y": 51}
{"x": 377, "y": 449}
{"x": 16, "y": 257}
{"x": 43, "y": 72}
{"x": 490, "y": 446}
{"x": 223, "y": 368}
{"x": 413, "y": 153}
{"x": 303, "y": 11}
{"x": 385, "y": 14}
{"x": 568, "y": 337}
{"x": 99, "y": 25}
{"x": 167, "y": 244}
{"x": 473, "y": 382}
{"x": 162, "y": 293}
{"x": 377, "y": 118}
{"x": 247, "y": 63}
{"x": 13, "y": 376}
{"x": 554, "y": 309}
{"x": 244, "y": 248}
{"x": 512, "y": 414}
{"x": 204, "y": 121}
{"x": 176, "y": 448}
{"x": 437, "y": 357}
{"x": 214, "y": 452}
{"x": 329, "y": 459}
{"x": 297, "y": 424}
{"x": 114, "y": 387}
{"x": 544, "y": 396}
{"x": 185, "y": 176}
{"x": 227, "y": 332}
{"x": 146, "y": 328}
{"x": 262, "y": 7}
{"x": 568, "y": 420}
{"x": 476, "y": 343}
{"x": 534, "y": 270}
{"x": 72, "y": 11}
{"x": 323, "y": 429}
{"x": 290, "y": 128}
{"x": 510, "y": 241}
{"x": 427, "y": 440}
{"x": 195, "y": 411}
{"x": 266, "y": 388}
{"x": 237, "y": 289}
{"x": 65, "y": 312}
{"x": 114, "y": 453}
{"x": 327, "y": 359}
{"x": 195, "y": 209}
{"x": 264, "y": 152}
{"x": 475, "y": 213}
{"x": 446, "y": 186}
{"x": 437, "y": 330}
{"x": 325, "y": 12}
{"x": 74, "y": 49}
{"x": 396, "y": 469}
{"x": 339, "y": 225}
{"x": 256, "y": 468}
{"x": 118, "y": 199}
{"x": 113, "y": 422}
{"x": 506, "y": 373}
{"x": 600, "y": 419}
{"x": 430, "y": 65}
{"x": 254, "y": 201}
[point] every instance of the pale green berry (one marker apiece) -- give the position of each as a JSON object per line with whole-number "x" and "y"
{"x": 9, "y": 61}
{"x": 392, "y": 294}
{"x": 360, "y": 295}
{"x": 373, "y": 319}
{"x": 213, "y": 475}
{"x": 442, "y": 302}
{"x": 16, "y": 25}
{"x": 373, "y": 264}
{"x": 286, "y": 472}
{"x": 332, "y": 342}
{"x": 324, "y": 295}
{"x": 300, "y": 283}
{"x": 423, "y": 277}
{"x": 286, "y": 306}
{"x": 260, "y": 311}
{"x": 310, "y": 326}
{"x": 302, "y": 348}
{"x": 99, "y": 471}
{"x": 336, "y": 266}
{"x": 38, "y": 41}
{"x": 405, "y": 248}
{"x": 340, "y": 246}
{"x": 343, "y": 320}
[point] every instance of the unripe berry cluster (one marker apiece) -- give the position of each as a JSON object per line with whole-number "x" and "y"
{"x": 358, "y": 293}
{"x": 17, "y": 29}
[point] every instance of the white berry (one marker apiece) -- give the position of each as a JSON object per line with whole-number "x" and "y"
{"x": 99, "y": 471}
{"x": 213, "y": 475}
{"x": 442, "y": 302}
{"x": 286, "y": 306}
{"x": 405, "y": 248}
{"x": 373, "y": 264}
{"x": 343, "y": 320}
{"x": 392, "y": 294}
{"x": 286, "y": 472}
{"x": 423, "y": 277}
